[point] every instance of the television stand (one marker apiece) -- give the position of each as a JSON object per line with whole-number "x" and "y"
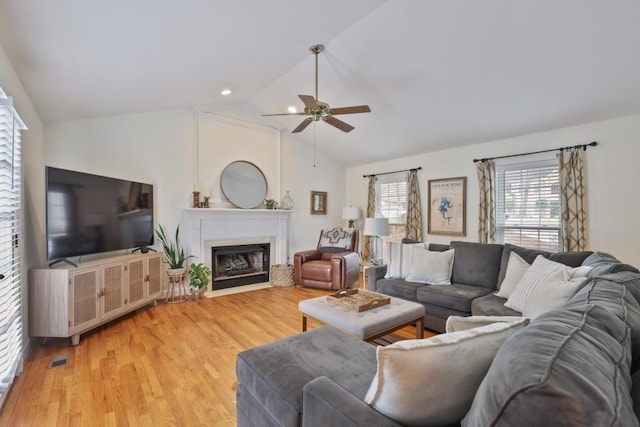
{"x": 68, "y": 301}
{"x": 65, "y": 260}
{"x": 143, "y": 249}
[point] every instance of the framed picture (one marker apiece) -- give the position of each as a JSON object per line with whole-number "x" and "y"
{"x": 318, "y": 203}
{"x": 447, "y": 206}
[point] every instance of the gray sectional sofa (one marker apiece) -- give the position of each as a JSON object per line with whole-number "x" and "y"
{"x": 578, "y": 364}
{"x": 478, "y": 271}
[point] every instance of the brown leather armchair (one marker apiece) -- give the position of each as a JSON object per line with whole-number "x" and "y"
{"x": 334, "y": 264}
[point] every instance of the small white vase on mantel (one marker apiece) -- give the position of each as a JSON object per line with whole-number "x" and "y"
{"x": 286, "y": 202}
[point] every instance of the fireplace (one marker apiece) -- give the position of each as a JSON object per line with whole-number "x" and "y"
{"x": 240, "y": 264}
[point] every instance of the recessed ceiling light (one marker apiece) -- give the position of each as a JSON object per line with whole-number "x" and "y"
{"x": 292, "y": 109}
{"x": 225, "y": 92}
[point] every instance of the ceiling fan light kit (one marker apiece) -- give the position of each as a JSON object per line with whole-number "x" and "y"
{"x": 316, "y": 110}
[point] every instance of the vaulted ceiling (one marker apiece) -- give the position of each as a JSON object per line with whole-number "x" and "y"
{"x": 435, "y": 73}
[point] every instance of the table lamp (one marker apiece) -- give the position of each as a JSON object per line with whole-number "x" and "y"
{"x": 376, "y": 227}
{"x": 351, "y": 213}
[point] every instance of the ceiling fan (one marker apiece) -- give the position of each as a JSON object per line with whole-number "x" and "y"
{"x": 316, "y": 110}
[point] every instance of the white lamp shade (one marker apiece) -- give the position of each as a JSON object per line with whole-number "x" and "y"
{"x": 351, "y": 213}
{"x": 376, "y": 227}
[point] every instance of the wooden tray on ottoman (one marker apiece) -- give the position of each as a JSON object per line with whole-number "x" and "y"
{"x": 358, "y": 299}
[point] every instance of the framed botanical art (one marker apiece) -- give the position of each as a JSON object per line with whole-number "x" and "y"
{"x": 318, "y": 203}
{"x": 447, "y": 206}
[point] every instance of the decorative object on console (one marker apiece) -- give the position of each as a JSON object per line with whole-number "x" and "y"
{"x": 243, "y": 184}
{"x": 318, "y": 203}
{"x": 206, "y": 201}
{"x": 376, "y": 227}
{"x": 286, "y": 202}
{"x": 351, "y": 213}
{"x": 196, "y": 199}
{"x": 447, "y": 206}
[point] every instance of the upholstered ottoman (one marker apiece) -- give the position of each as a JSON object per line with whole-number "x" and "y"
{"x": 271, "y": 376}
{"x": 369, "y": 324}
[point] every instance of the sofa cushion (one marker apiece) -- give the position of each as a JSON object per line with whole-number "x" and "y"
{"x": 398, "y": 288}
{"x": 615, "y": 293}
{"x": 571, "y": 259}
{"x": 433, "y": 381}
{"x": 454, "y": 296}
{"x": 491, "y": 305}
{"x": 566, "y": 368}
{"x": 275, "y": 373}
{"x": 528, "y": 255}
{"x": 431, "y": 267}
{"x": 476, "y": 264}
{"x": 603, "y": 263}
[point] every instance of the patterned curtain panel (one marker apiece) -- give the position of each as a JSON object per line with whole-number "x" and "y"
{"x": 487, "y": 219}
{"x": 573, "y": 194}
{"x": 414, "y": 211}
{"x": 371, "y": 213}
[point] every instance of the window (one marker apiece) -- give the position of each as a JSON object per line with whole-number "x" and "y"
{"x": 10, "y": 270}
{"x": 391, "y": 203}
{"x": 528, "y": 210}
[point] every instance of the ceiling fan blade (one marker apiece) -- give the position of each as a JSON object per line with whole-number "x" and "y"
{"x": 309, "y": 101}
{"x": 302, "y": 125}
{"x": 351, "y": 110}
{"x": 282, "y": 114}
{"x": 345, "y": 127}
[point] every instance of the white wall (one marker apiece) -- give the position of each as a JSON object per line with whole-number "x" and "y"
{"x": 160, "y": 148}
{"x": 155, "y": 148}
{"x": 222, "y": 141}
{"x": 301, "y": 175}
{"x": 613, "y": 176}
{"x": 33, "y": 225}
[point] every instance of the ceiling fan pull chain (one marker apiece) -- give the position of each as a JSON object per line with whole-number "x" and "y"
{"x": 314, "y": 144}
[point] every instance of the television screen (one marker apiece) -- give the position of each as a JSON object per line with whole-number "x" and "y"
{"x": 88, "y": 214}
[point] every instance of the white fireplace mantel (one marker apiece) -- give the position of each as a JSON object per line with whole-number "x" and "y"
{"x": 201, "y": 226}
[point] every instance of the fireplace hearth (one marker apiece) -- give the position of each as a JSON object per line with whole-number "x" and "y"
{"x": 237, "y": 265}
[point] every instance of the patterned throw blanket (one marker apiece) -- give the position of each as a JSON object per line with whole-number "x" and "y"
{"x": 336, "y": 240}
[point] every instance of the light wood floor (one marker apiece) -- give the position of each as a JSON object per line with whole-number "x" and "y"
{"x": 173, "y": 364}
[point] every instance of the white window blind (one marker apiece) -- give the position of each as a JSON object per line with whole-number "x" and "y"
{"x": 10, "y": 233}
{"x": 528, "y": 209}
{"x": 391, "y": 203}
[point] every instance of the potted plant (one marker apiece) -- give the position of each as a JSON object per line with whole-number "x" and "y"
{"x": 199, "y": 275}
{"x": 271, "y": 204}
{"x": 174, "y": 256}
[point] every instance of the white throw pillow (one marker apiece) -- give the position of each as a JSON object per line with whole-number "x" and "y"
{"x": 395, "y": 260}
{"x": 516, "y": 267}
{"x": 551, "y": 294}
{"x": 541, "y": 271}
{"x": 581, "y": 271}
{"x": 433, "y": 381}
{"x": 400, "y": 259}
{"x": 431, "y": 267}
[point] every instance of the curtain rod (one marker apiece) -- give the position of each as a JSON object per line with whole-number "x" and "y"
{"x": 387, "y": 173}
{"x": 583, "y": 146}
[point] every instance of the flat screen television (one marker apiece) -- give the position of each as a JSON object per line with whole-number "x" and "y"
{"x": 90, "y": 214}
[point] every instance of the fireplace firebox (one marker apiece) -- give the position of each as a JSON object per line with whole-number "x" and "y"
{"x": 238, "y": 265}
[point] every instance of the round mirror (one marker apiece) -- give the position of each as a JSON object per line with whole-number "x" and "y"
{"x": 243, "y": 184}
